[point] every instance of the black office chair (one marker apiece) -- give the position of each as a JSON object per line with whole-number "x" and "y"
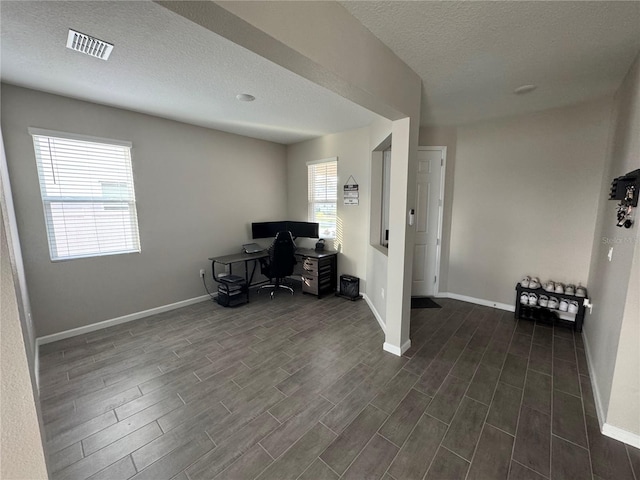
{"x": 281, "y": 261}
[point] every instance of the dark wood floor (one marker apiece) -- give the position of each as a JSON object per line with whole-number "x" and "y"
{"x": 300, "y": 388}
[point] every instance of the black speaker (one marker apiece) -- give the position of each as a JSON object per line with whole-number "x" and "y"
{"x": 350, "y": 287}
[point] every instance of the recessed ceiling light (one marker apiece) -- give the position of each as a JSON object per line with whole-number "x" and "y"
{"x": 245, "y": 97}
{"x": 521, "y": 90}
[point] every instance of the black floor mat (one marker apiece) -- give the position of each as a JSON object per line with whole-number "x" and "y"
{"x": 423, "y": 302}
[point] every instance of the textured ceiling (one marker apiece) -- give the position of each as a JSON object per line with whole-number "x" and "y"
{"x": 471, "y": 55}
{"x": 164, "y": 65}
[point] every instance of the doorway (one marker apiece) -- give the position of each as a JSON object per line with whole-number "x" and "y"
{"x": 432, "y": 162}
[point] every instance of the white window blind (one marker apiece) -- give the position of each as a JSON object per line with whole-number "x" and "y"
{"x": 87, "y": 195}
{"x": 323, "y": 195}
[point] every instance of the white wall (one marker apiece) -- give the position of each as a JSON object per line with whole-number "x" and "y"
{"x": 197, "y": 192}
{"x": 525, "y": 199}
{"x": 612, "y": 332}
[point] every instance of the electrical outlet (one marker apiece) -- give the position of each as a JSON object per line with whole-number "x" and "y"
{"x": 202, "y": 273}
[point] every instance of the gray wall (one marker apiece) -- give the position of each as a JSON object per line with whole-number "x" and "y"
{"x": 352, "y": 150}
{"x": 197, "y": 191}
{"x": 525, "y": 199}
{"x": 20, "y": 430}
{"x": 612, "y": 332}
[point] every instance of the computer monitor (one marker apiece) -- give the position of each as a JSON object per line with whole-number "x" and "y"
{"x": 304, "y": 229}
{"x": 297, "y": 229}
{"x": 266, "y": 229}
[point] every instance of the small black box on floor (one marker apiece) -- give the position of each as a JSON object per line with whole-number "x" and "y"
{"x": 350, "y": 287}
{"x": 232, "y": 291}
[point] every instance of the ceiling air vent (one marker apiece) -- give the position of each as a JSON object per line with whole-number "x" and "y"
{"x": 89, "y": 45}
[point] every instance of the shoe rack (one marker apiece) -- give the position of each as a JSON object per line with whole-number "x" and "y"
{"x": 547, "y": 315}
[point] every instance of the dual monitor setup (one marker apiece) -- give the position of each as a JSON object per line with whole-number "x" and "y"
{"x": 297, "y": 229}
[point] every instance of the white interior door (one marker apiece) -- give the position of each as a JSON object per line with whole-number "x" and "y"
{"x": 429, "y": 195}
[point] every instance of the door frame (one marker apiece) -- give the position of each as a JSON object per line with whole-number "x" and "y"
{"x": 443, "y": 166}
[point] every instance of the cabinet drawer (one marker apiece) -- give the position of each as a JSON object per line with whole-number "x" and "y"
{"x": 310, "y": 284}
{"x": 310, "y": 265}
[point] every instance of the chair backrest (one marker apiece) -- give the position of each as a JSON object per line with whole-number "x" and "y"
{"x": 282, "y": 255}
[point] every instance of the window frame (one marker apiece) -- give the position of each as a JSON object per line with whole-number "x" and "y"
{"x": 115, "y": 202}
{"x": 326, "y": 200}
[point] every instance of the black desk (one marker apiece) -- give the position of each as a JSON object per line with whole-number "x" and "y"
{"x": 321, "y": 264}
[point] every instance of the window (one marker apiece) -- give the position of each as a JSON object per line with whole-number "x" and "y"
{"x": 87, "y": 195}
{"x": 323, "y": 194}
{"x": 386, "y": 197}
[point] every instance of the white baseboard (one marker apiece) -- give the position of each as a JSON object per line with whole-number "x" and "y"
{"x": 477, "y": 301}
{"x": 375, "y": 312}
{"x": 607, "y": 429}
{"x": 387, "y": 347}
{"x": 116, "y": 321}
{"x": 621, "y": 435}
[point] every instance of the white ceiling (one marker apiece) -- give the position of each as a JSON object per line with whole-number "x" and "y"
{"x": 471, "y": 55}
{"x": 165, "y": 65}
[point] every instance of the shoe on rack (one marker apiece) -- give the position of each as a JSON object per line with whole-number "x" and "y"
{"x": 581, "y": 291}
{"x": 559, "y": 288}
{"x": 553, "y": 303}
{"x": 525, "y": 282}
{"x": 534, "y": 283}
{"x": 550, "y": 286}
{"x": 570, "y": 290}
{"x": 573, "y": 307}
{"x": 533, "y": 299}
{"x": 524, "y": 298}
{"x": 564, "y": 305}
{"x": 543, "y": 301}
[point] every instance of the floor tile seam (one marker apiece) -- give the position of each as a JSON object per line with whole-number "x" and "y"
{"x": 329, "y": 428}
{"x": 568, "y": 393}
{"x": 401, "y": 400}
{"x": 265, "y": 450}
{"x": 334, "y": 404}
{"x": 180, "y": 446}
{"x": 362, "y": 450}
{"x": 484, "y": 421}
{"x": 456, "y": 454}
{"x": 568, "y": 441}
{"x": 626, "y": 448}
{"x": 586, "y": 429}
{"x": 530, "y": 469}
{"x": 327, "y": 465}
{"x": 48, "y": 442}
{"x": 495, "y": 389}
{"x": 119, "y": 458}
{"x": 120, "y": 421}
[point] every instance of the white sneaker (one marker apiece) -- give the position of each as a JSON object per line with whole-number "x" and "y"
{"x": 524, "y": 298}
{"x": 573, "y": 307}
{"x": 570, "y": 290}
{"x": 543, "y": 301}
{"x": 553, "y": 303}
{"x": 559, "y": 288}
{"x": 581, "y": 291}
{"x": 533, "y": 299}
{"x": 550, "y": 286}
{"x": 564, "y": 305}
{"x": 534, "y": 283}
{"x": 525, "y": 282}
